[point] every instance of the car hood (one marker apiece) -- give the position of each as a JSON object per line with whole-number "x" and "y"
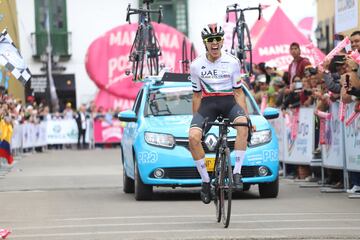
{"x": 178, "y": 126}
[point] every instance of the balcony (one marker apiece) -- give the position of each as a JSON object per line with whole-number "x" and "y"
{"x": 61, "y": 44}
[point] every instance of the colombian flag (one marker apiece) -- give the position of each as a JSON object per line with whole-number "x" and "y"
{"x": 6, "y": 132}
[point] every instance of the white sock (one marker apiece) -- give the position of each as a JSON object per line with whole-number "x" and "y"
{"x": 201, "y": 167}
{"x": 239, "y": 159}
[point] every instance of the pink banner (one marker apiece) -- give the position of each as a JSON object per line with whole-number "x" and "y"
{"x": 107, "y": 132}
{"x": 110, "y": 101}
{"x": 108, "y": 57}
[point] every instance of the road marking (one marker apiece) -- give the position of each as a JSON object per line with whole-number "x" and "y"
{"x": 204, "y": 216}
{"x": 216, "y": 230}
{"x": 184, "y": 223}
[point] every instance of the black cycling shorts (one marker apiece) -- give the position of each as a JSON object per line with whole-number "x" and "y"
{"x": 212, "y": 107}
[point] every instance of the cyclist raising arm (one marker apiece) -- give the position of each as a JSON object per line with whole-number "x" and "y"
{"x": 217, "y": 87}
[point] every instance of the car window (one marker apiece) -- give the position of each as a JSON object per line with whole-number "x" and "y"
{"x": 169, "y": 101}
{"x": 137, "y": 102}
{"x": 177, "y": 101}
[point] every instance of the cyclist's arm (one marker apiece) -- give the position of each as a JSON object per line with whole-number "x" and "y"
{"x": 238, "y": 83}
{"x": 195, "y": 80}
{"x": 240, "y": 99}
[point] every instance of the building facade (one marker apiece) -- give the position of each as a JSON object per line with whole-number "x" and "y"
{"x": 336, "y": 17}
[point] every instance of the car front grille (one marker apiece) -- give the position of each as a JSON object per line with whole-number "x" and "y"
{"x": 184, "y": 142}
{"x": 192, "y": 173}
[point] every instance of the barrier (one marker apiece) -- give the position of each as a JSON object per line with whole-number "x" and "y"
{"x": 352, "y": 141}
{"x": 340, "y": 149}
{"x": 107, "y": 132}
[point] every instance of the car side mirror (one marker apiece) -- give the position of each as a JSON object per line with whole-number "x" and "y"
{"x": 127, "y": 116}
{"x": 271, "y": 113}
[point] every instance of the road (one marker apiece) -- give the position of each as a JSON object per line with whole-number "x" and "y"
{"x": 78, "y": 195}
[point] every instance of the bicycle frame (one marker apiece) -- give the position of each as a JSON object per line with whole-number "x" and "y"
{"x": 239, "y": 30}
{"x": 145, "y": 44}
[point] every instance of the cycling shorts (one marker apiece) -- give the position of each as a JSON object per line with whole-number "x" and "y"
{"x": 212, "y": 107}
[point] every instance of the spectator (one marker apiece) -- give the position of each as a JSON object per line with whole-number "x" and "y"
{"x": 297, "y": 66}
{"x": 80, "y": 118}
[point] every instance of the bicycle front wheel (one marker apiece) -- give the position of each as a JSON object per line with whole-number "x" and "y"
{"x": 226, "y": 183}
{"x": 216, "y": 187}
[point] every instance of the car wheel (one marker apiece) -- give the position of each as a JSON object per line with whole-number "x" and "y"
{"x": 142, "y": 191}
{"x": 128, "y": 183}
{"x": 269, "y": 190}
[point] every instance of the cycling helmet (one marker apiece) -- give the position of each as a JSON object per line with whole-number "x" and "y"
{"x": 212, "y": 30}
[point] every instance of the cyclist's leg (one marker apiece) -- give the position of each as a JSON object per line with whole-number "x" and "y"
{"x": 196, "y": 149}
{"x": 237, "y": 115}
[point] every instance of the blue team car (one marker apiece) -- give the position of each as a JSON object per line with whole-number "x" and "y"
{"x": 155, "y": 147}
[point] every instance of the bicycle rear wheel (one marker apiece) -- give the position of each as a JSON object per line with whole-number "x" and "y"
{"x": 247, "y": 64}
{"x": 226, "y": 183}
{"x": 192, "y": 53}
{"x": 184, "y": 60}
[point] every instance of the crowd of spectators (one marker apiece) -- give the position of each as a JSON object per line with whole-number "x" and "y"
{"x": 15, "y": 112}
{"x": 304, "y": 85}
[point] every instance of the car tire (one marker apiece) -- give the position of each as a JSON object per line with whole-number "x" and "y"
{"x": 142, "y": 191}
{"x": 128, "y": 183}
{"x": 269, "y": 190}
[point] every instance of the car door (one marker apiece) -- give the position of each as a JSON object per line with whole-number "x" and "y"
{"x": 131, "y": 133}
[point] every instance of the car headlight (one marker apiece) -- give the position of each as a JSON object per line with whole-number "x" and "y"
{"x": 260, "y": 137}
{"x": 160, "y": 139}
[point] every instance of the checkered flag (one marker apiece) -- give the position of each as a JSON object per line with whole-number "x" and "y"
{"x": 11, "y": 59}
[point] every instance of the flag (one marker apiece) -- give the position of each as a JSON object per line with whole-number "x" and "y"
{"x": 11, "y": 58}
{"x": 6, "y": 132}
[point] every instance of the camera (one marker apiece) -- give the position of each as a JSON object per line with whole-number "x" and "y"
{"x": 311, "y": 71}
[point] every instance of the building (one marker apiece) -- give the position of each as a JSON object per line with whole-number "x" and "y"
{"x": 8, "y": 20}
{"x": 336, "y": 17}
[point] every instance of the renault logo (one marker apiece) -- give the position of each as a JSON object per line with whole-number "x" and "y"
{"x": 210, "y": 142}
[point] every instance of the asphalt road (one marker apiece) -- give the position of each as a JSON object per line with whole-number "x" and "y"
{"x": 78, "y": 195}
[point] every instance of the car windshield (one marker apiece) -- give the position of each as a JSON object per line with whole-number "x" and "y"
{"x": 176, "y": 101}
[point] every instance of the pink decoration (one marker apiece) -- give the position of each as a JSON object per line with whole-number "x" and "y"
{"x": 108, "y": 57}
{"x": 4, "y": 233}
{"x": 355, "y": 55}
{"x": 295, "y": 123}
{"x": 351, "y": 118}
{"x": 324, "y": 115}
{"x": 342, "y": 109}
{"x": 105, "y": 132}
{"x": 263, "y": 103}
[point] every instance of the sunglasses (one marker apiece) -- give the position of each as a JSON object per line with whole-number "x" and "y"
{"x": 211, "y": 39}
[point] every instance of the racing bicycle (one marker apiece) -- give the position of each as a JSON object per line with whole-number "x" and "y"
{"x": 185, "y": 61}
{"x": 145, "y": 45}
{"x": 222, "y": 174}
{"x": 242, "y": 32}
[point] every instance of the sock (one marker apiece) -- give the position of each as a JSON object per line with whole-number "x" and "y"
{"x": 239, "y": 159}
{"x": 200, "y": 165}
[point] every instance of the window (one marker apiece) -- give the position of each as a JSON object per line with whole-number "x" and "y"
{"x": 174, "y": 11}
{"x": 52, "y": 12}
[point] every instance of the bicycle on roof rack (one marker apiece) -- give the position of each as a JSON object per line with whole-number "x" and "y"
{"x": 242, "y": 32}
{"x": 145, "y": 45}
{"x": 185, "y": 61}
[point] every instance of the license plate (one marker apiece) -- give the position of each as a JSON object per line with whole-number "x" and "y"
{"x": 210, "y": 162}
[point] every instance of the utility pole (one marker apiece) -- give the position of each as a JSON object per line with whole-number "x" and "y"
{"x": 53, "y": 95}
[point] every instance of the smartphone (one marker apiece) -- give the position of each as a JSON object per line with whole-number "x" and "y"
{"x": 347, "y": 80}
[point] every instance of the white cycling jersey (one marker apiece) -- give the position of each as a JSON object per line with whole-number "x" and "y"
{"x": 217, "y": 78}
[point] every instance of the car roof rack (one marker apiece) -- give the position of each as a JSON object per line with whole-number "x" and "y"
{"x": 175, "y": 77}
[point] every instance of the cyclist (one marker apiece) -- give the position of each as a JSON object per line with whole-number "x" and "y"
{"x": 217, "y": 90}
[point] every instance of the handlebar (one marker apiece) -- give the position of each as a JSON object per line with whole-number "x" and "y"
{"x": 131, "y": 11}
{"x": 234, "y": 8}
